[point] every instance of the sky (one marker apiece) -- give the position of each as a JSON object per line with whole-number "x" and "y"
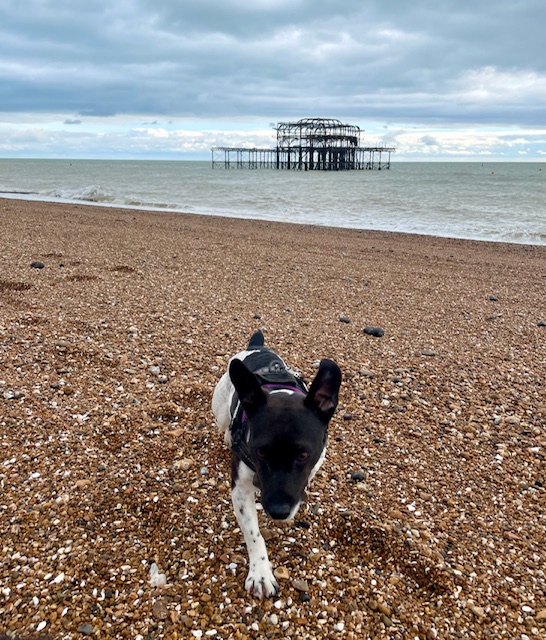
{"x": 169, "y": 79}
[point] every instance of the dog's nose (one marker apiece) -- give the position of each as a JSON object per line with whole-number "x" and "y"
{"x": 279, "y": 511}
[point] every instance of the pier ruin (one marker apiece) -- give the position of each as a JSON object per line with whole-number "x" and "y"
{"x": 311, "y": 144}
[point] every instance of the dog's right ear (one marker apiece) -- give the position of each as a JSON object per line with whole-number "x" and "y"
{"x": 323, "y": 394}
{"x": 247, "y": 386}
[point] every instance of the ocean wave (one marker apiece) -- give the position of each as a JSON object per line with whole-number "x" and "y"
{"x": 96, "y": 194}
{"x": 93, "y": 193}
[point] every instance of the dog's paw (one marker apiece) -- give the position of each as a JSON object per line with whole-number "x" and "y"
{"x": 261, "y": 583}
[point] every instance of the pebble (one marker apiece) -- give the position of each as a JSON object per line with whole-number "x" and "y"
{"x": 182, "y": 465}
{"x": 37, "y": 265}
{"x": 373, "y": 604}
{"x": 13, "y": 395}
{"x": 281, "y": 573}
{"x": 377, "y": 332}
{"x": 542, "y": 323}
{"x": 157, "y": 579}
{"x": 358, "y": 476}
{"x": 301, "y": 585}
{"x": 85, "y": 629}
{"x": 541, "y": 616}
{"x": 159, "y": 610}
{"x": 386, "y": 620}
{"x": 344, "y": 319}
{"x": 428, "y": 352}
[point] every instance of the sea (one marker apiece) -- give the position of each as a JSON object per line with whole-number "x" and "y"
{"x": 500, "y": 202}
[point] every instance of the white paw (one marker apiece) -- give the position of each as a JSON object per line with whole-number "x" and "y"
{"x": 261, "y": 582}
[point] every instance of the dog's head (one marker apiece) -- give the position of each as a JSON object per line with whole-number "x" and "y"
{"x": 287, "y": 434}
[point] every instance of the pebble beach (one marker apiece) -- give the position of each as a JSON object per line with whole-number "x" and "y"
{"x": 428, "y": 517}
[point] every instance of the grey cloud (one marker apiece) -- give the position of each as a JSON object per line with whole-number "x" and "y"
{"x": 271, "y": 59}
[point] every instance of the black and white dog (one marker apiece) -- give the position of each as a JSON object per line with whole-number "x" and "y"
{"x": 277, "y": 432}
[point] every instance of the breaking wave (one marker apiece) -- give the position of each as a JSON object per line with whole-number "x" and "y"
{"x": 99, "y": 195}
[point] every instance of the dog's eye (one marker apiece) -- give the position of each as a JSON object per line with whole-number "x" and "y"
{"x": 260, "y": 453}
{"x": 303, "y": 456}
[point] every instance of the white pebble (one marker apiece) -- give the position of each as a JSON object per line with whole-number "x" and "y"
{"x": 339, "y": 626}
{"x": 41, "y": 625}
{"x": 157, "y": 579}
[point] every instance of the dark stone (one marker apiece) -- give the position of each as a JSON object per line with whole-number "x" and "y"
{"x": 541, "y": 324}
{"x": 304, "y": 597}
{"x": 303, "y": 524}
{"x": 85, "y": 629}
{"x": 344, "y": 319}
{"x": 377, "y": 332}
{"x": 493, "y": 298}
{"x": 358, "y": 476}
{"x": 37, "y": 265}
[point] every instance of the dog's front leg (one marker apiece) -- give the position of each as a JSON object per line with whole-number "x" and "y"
{"x": 260, "y": 580}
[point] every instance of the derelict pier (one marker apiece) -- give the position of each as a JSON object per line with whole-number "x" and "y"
{"x": 312, "y": 144}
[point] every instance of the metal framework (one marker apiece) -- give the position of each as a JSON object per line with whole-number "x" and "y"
{"x": 311, "y": 144}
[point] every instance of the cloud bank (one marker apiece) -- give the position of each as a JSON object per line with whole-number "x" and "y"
{"x": 164, "y": 78}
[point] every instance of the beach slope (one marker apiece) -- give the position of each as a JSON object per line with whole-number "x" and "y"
{"x": 428, "y": 517}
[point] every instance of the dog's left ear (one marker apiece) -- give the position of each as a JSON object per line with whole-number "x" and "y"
{"x": 247, "y": 386}
{"x": 323, "y": 394}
